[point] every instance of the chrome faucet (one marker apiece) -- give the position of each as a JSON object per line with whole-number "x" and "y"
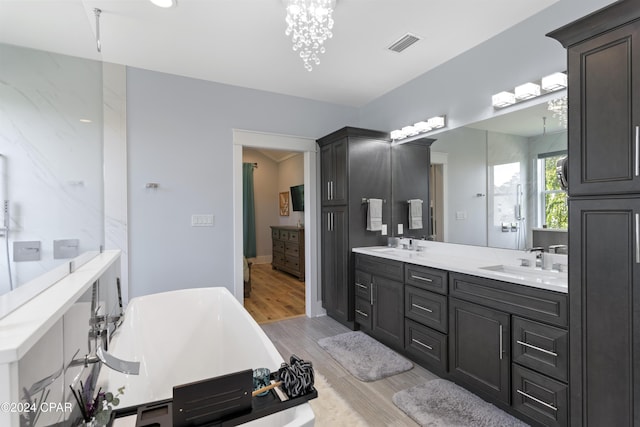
{"x": 539, "y": 256}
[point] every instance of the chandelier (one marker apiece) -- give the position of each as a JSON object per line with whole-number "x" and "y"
{"x": 309, "y": 23}
{"x": 559, "y": 108}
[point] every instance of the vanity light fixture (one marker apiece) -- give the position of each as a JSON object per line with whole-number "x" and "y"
{"x": 553, "y": 82}
{"x": 424, "y": 126}
{"x": 165, "y": 3}
{"x": 527, "y": 91}
{"x": 503, "y": 99}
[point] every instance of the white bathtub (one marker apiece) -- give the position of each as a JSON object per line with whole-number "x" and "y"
{"x": 189, "y": 335}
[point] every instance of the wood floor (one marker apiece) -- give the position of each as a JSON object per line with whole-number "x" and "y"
{"x": 371, "y": 400}
{"x": 274, "y": 295}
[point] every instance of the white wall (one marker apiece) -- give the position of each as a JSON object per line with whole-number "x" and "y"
{"x": 265, "y": 182}
{"x": 180, "y": 136}
{"x": 290, "y": 173}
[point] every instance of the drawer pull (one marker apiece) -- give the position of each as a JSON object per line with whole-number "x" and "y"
{"x": 526, "y": 344}
{"x": 360, "y": 285}
{"x": 421, "y": 308}
{"x": 421, "y": 343}
{"x": 362, "y": 313}
{"x": 424, "y": 279}
{"x": 528, "y": 396}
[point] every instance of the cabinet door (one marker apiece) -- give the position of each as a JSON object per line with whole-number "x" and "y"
{"x": 326, "y": 172}
{"x": 337, "y": 293}
{"x": 388, "y": 312}
{"x": 479, "y": 348}
{"x": 604, "y": 117}
{"x": 339, "y": 192}
{"x": 604, "y": 300}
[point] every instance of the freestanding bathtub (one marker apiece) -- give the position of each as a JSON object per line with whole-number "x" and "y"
{"x": 188, "y": 335}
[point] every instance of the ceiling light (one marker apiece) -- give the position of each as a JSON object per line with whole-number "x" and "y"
{"x": 503, "y": 99}
{"x": 555, "y": 81}
{"x": 165, "y": 3}
{"x": 309, "y": 23}
{"x": 527, "y": 91}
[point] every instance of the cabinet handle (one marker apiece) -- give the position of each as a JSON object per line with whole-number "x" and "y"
{"x": 424, "y": 279}
{"x": 328, "y": 221}
{"x": 526, "y": 344}
{"x": 333, "y": 219}
{"x": 637, "y": 238}
{"x": 421, "y": 343}
{"x": 362, "y": 313}
{"x": 501, "y": 346}
{"x": 637, "y": 150}
{"x": 421, "y": 308}
{"x": 360, "y": 285}
{"x": 528, "y": 396}
{"x": 371, "y": 292}
{"x": 330, "y": 190}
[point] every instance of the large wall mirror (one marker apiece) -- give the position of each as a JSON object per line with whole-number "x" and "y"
{"x": 493, "y": 183}
{"x": 51, "y": 163}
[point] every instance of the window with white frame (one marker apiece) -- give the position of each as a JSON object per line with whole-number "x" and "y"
{"x": 552, "y": 199}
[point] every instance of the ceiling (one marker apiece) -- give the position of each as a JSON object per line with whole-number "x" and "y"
{"x": 242, "y": 42}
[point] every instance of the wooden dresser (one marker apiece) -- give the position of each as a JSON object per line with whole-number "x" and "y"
{"x": 288, "y": 249}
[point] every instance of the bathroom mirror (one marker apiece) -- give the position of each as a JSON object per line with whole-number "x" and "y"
{"x": 492, "y": 182}
{"x": 51, "y": 133}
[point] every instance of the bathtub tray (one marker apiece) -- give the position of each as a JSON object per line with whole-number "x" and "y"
{"x": 191, "y": 398}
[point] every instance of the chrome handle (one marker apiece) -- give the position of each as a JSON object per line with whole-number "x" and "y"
{"x": 424, "y": 279}
{"x": 528, "y": 396}
{"x": 421, "y": 343}
{"x": 501, "y": 346}
{"x": 362, "y": 313}
{"x": 421, "y": 308}
{"x": 637, "y": 150}
{"x": 637, "y": 238}
{"x": 360, "y": 285}
{"x": 526, "y": 344}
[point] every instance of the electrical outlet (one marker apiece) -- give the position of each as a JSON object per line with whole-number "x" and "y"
{"x": 383, "y": 229}
{"x": 400, "y": 228}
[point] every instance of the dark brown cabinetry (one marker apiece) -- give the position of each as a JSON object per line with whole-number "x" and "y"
{"x": 379, "y": 299}
{"x": 355, "y": 164}
{"x": 604, "y": 163}
{"x": 287, "y": 245}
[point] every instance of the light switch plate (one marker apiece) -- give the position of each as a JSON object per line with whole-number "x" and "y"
{"x": 400, "y": 228}
{"x": 383, "y": 229}
{"x": 202, "y": 220}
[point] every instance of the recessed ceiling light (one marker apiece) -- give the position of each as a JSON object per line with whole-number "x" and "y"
{"x": 165, "y": 3}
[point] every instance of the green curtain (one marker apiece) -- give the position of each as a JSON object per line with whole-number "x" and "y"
{"x": 248, "y": 211}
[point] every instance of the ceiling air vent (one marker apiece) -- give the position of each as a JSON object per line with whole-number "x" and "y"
{"x": 403, "y": 42}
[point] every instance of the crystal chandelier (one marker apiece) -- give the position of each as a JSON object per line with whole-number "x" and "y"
{"x": 559, "y": 108}
{"x": 309, "y": 23}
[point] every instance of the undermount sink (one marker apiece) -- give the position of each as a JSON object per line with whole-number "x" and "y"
{"x": 526, "y": 273}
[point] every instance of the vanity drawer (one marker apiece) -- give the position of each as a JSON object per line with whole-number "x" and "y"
{"x": 363, "y": 315}
{"x": 380, "y": 267}
{"x": 363, "y": 285}
{"x": 537, "y": 304}
{"x": 426, "y": 346}
{"x": 426, "y": 307}
{"x": 539, "y": 397}
{"x": 426, "y": 278}
{"x": 540, "y": 347}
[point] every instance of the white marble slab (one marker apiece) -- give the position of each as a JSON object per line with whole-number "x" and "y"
{"x": 473, "y": 260}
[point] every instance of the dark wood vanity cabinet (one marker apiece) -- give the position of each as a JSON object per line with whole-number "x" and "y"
{"x": 354, "y": 164}
{"x": 379, "y": 293}
{"x": 603, "y": 51}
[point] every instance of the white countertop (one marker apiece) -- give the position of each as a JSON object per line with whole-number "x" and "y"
{"x": 473, "y": 260}
{"x": 24, "y": 326}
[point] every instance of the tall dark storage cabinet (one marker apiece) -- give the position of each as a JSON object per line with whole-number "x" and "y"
{"x": 604, "y": 215}
{"x": 355, "y": 165}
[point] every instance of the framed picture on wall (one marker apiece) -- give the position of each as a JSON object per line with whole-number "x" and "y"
{"x": 284, "y": 203}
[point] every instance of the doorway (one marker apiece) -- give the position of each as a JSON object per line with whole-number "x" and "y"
{"x": 260, "y": 140}
{"x": 274, "y": 282}
{"x": 438, "y": 196}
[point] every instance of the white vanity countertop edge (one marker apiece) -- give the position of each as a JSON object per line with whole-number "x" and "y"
{"x": 466, "y": 264}
{"x": 22, "y": 328}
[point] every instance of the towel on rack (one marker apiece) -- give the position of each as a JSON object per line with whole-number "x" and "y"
{"x": 374, "y": 215}
{"x": 415, "y": 214}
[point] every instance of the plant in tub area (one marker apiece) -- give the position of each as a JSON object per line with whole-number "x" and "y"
{"x": 96, "y": 410}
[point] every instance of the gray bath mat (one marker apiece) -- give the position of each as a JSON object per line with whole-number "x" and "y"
{"x": 441, "y": 403}
{"x": 364, "y": 358}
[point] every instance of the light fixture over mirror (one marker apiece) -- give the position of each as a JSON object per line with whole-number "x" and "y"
{"x": 551, "y": 83}
{"x": 418, "y": 128}
{"x": 165, "y": 3}
{"x": 309, "y": 23}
